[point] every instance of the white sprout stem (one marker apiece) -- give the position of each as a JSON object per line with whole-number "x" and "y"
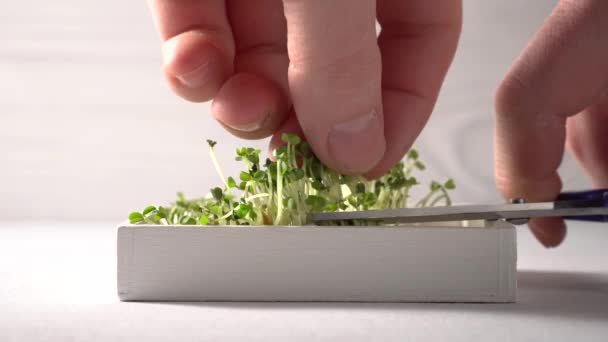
{"x": 404, "y": 196}
{"x": 270, "y": 189}
{"x": 423, "y": 202}
{"x": 246, "y": 190}
{"x": 294, "y": 157}
{"x": 288, "y": 154}
{"x": 437, "y": 199}
{"x": 408, "y": 169}
{"x": 277, "y": 220}
{"x": 226, "y": 216}
{"x": 217, "y": 166}
{"x": 448, "y": 199}
{"x": 251, "y": 198}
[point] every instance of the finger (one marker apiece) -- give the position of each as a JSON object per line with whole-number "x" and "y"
{"x": 561, "y": 72}
{"x": 417, "y": 42}
{"x": 587, "y": 140}
{"x": 254, "y": 102}
{"x": 198, "y": 48}
{"x": 291, "y": 126}
{"x": 249, "y": 106}
{"x": 549, "y": 231}
{"x": 334, "y": 77}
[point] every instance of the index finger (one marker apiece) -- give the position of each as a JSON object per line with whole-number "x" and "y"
{"x": 198, "y": 47}
{"x": 560, "y": 73}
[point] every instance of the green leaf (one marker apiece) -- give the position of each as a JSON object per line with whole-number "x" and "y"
{"x": 449, "y": 184}
{"x": 411, "y": 182}
{"x": 245, "y": 177}
{"x": 204, "y": 220}
{"x": 369, "y": 199}
{"x": 435, "y": 186}
{"x": 294, "y": 174}
{"x": 396, "y": 182}
{"x": 135, "y": 217}
{"x": 272, "y": 168}
{"x": 217, "y": 193}
{"x": 188, "y": 221}
{"x": 156, "y": 218}
{"x": 412, "y": 154}
{"x": 360, "y": 188}
{"x": 215, "y": 210}
{"x": 259, "y": 175}
{"x": 316, "y": 203}
{"x": 148, "y": 210}
{"x": 331, "y": 207}
{"x": 241, "y": 210}
{"x": 317, "y": 185}
{"x": 253, "y": 156}
{"x": 419, "y": 165}
{"x": 162, "y": 212}
{"x": 304, "y": 148}
{"x": 211, "y": 143}
{"x": 231, "y": 183}
{"x": 280, "y": 152}
{"x": 291, "y": 139}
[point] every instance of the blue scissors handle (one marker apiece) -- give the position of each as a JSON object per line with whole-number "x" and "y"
{"x": 597, "y": 198}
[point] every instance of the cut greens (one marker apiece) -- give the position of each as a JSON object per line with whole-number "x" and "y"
{"x": 284, "y": 191}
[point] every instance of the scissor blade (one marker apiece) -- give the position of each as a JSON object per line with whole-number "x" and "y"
{"x": 516, "y": 211}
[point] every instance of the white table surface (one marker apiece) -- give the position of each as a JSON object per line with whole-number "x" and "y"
{"x": 57, "y": 283}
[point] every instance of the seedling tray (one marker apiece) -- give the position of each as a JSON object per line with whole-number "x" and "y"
{"x": 469, "y": 262}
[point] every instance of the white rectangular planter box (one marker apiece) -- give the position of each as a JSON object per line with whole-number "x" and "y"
{"x": 308, "y": 263}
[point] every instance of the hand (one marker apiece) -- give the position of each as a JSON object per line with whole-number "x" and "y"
{"x": 555, "y": 95}
{"x": 360, "y": 101}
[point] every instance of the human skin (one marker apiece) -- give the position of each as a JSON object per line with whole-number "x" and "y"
{"x": 554, "y": 96}
{"x": 316, "y": 68}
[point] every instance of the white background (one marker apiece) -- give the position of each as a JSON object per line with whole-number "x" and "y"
{"x": 89, "y": 130}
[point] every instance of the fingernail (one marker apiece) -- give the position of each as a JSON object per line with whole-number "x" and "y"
{"x": 197, "y": 77}
{"x": 191, "y": 69}
{"x": 357, "y": 145}
{"x": 246, "y": 128}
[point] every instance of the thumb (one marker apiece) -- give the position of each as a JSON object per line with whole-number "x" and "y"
{"x": 335, "y": 80}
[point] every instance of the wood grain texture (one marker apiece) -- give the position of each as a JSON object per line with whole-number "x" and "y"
{"x": 370, "y": 264}
{"x": 85, "y": 114}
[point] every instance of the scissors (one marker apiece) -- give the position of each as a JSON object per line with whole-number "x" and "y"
{"x": 591, "y": 205}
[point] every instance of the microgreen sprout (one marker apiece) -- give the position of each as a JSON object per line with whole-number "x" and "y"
{"x": 284, "y": 190}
